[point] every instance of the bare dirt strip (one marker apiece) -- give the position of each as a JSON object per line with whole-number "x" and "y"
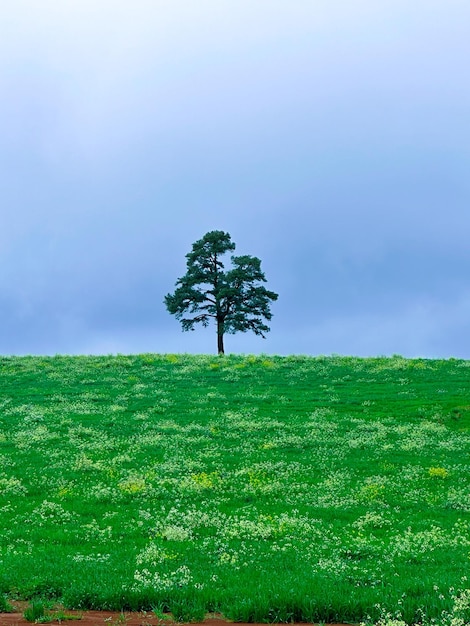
{"x": 109, "y": 618}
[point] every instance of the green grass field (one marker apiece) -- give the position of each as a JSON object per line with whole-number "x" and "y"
{"x": 264, "y": 488}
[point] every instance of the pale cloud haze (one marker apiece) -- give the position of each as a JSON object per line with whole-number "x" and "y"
{"x": 330, "y": 138}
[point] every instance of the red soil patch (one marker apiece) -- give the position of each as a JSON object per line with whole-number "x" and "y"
{"x": 110, "y": 618}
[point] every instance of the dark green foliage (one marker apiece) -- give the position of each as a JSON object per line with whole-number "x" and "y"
{"x": 5, "y": 606}
{"x": 234, "y": 299}
{"x": 35, "y": 612}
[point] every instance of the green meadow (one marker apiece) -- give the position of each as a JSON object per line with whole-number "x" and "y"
{"x": 269, "y": 489}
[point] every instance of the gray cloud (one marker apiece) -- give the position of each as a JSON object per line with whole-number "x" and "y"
{"x": 329, "y": 138}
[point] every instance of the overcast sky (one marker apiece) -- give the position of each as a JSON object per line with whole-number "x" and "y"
{"x": 330, "y": 138}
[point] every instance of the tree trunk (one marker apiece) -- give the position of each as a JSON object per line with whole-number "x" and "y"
{"x": 220, "y": 337}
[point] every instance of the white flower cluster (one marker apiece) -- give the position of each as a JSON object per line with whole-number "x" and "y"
{"x": 180, "y": 577}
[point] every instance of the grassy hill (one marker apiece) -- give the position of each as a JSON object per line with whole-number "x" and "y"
{"x": 266, "y": 488}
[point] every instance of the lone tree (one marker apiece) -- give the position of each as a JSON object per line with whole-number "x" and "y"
{"x": 235, "y": 299}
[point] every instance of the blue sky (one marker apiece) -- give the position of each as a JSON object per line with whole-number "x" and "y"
{"x": 330, "y": 138}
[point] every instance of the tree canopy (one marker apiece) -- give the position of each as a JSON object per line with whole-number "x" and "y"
{"x": 235, "y": 299}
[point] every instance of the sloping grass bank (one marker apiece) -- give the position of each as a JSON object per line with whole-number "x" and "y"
{"x": 270, "y": 488}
